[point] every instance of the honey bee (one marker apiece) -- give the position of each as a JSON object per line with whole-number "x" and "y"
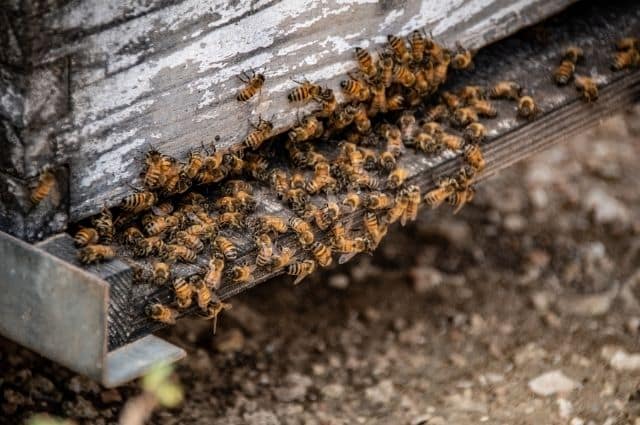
{"x": 388, "y": 160}
{"x": 588, "y": 87}
{"x": 260, "y": 133}
{"x": 158, "y": 225}
{"x": 432, "y": 128}
{"x": 301, "y": 270}
{"x": 377, "y": 201}
{"x": 403, "y": 75}
{"x": 355, "y": 89}
{"x": 527, "y": 107}
{"x": 86, "y": 236}
{"x": 298, "y": 199}
{"x": 231, "y": 219}
{"x": 194, "y": 164}
{"x": 470, "y": 93}
{"x": 434, "y": 50}
{"x": 393, "y": 135}
{"x": 452, "y": 101}
{"x": 386, "y": 71}
{"x": 190, "y": 241}
{"x": 213, "y": 276}
{"x": 181, "y": 253}
{"x": 214, "y": 310}
{"x": 162, "y": 314}
{"x": 573, "y": 53}
{"x": 45, "y": 185}
{"x": 159, "y": 168}
{"x": 314, "y": 158}
{"x": 407, "y": 124}
{"x": 396, "y": 212}
{"x": 161, "y": 273}
{"x": 213, "y": 161}
{"x": 95, "y": 253}
{"x": 418, "y": 43}
{"x": 506, "y": 90}
{"x": 396, "y": 178}
{"x": 244, "y": 201}
{"x": 361, "y": 119}
{"x": 327, "y": 215}
{"x": 149, "y": 246}
{"x": 459, "y": 198}
{"x": 232, "y": 187}
{"x": 226, "y": 248}
{"x": 302, "y": 230}
{"x": 103, "y": 223}
{"x": 351, "y": 201}
{"x": 437, "y": 196}
{"x": 484, "y": 108}
{"x": 374, "y": 229}
{"x": 283, "y": 259}
{"x": 365, "y": 62}
{"x": 421, "y": 85}
{"x": 183, "y": 291}
{"x": 628, "y": 43}
{"x": 394, "y": 102}
{"x": 279, "y": 182}
{"x": 138, "y": 202}
{"x": 465, "y": 116}
{"x": 328, "y": 101}
{"x": 475, "y": 133}
{"x": 343, "y": 117}
{"x": 271, "y": 224}
{"x": 399, "y": 48}
{"x": 233, "y": 163}
{"x": 365, "y": 180}
{"x": 473, "y": 156}
{"x": 322, "y": 254}
{"x": 437, "y": 113}
{"x": 203, "y": 294}
{"x": 450, "y": 141}
{"x": 440, "y": 71}
{"x": 253, "y": 84}
{"x": 162, "y": 209}
{"x": 411, "y": 211}
{"x": 265, "y": 250}
{"x": 242, "y": 274}
{"x": 625, "y": 59}
{"x": 304, "y": 92}
{"x": 564, "y": 72}
{"x": 463, "y": 59}
{"x": 428, "y": 144}
{"x": 309, "y": 127}
{"x": 209, "y": 176}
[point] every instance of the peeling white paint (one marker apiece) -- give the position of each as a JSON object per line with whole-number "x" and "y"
{"x": 389, "y": 19}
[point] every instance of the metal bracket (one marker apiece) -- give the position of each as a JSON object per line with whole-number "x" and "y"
{"x": 61, "y": 312}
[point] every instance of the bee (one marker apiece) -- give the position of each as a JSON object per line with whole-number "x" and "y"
{"x": 355, "y": 89}
{"x": 365, "y": 180}
{"x": 388, "y": 160}
{"x": 418, "y": 43}
{"x": 365, "y": 62}
{"x": 297, "y": 181}
{"x": 162, "y": 314}
{"x": 271, "y": 224}
{"x": 432, "y": 128}
{"x": 190, "y": 241}
{"x": 86, "y": 236}
{"x": 213, "y": 161}
{"x": 260, "y": 133}
{"x": 234, "y": 164}
{"x": 407, "y": 124}
{"x": 396, "y": 178}
{"x": 158, "y": 225}
{"x": 465, "y": 116}
{"x": 527, "y": 107}
{"x": 399, "y": 48}
{"x": 302, "y": 230}
{"x": 564, "y": 72}
{"x": 231, "y": 219}
{"x": 203, "y": 294}
{"x": 309, "y": 127}
{"x": 214, "y": 310}
{"x": 183, "y": 292}
{"x": 213, "y": 276}
{"x": 283, "y": 259}
{"x": 322, "y": 254}
{"x": 588, "y": 87}
{"x": 321, "y": 179}
{"x": 328, "y": 101}
{"x": 159, "y": 168}
{"x": 298, "y": 199}
{"x": 304, "y": 92}
{"x": 397, "y": 211}
{"x": 343, "y": 117}
{"x": 385, "y": 71}
{"x": 484, "y": 108}
{"x": 361, "y": 119}
{"x": 411, "y": 211}
{"x": 473, "y": 156}
{"x": 163, "y": 209}
{"x": 232, "y": 187}
{"x": 161, "y": 273}
{"x": 506, "y": 90}
{"x": 353, "y": 155}
{"x": 327, "y": 215}
{"x": 181, "y": 253}
{"x": 394, "y": 102}
{"x": 403, "y": 75}
{"x": 226, "y": 248}
{"x": 279, "y": 182}
{"x": 226, "y": 203}
{"x": 628, "y": 43}
{"x": 437, "y": 196}
{"x": 149, "y": 246}
{"x": 265, "y": 250}
{"x": 428, "y": 144}
{"x": 193, "y": 165}
{"x": 470, "y": 93}
{"x": 257, "y": 166}
{"x": 351, "y": 201}
{"x": 242, "y": 274}
{"x": 374, "y": 229}
{"x": 437, "y": 113}
{"x": 625, "y": 59}
{"x": 253, "y": 84}
{"x": 45, "y": 185}
{"x": 314, "y": 158}
{"x": 103, "y": 223}
{"x": 434, "y": 50}
{"x": 421, "y": 85}
{"x": 393, "y": 135}
{"x": 459, "y": 198}
{"x": 475, "y": 133}
{"x": 440, "y": 71}
{"x": 463, "y": 59}
{"x": 95, "y": 253}
{"x": 244, "y": 201}
{"x": 301, "y": 270}
{"x": 210, "y": 176}
{"x": 452, "y": 101}
{"x": 573, "y": 53}
{"x": 138, "y": 202}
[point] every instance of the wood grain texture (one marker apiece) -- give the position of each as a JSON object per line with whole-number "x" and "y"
{"x": 164, "y": 73}
{"x": 594, "y": 28}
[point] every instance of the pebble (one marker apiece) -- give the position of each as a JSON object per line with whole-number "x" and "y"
{"x": 80, "y": 384}
{"x": 620, "y": 360}
{"x": 457, "y": 232}
{"x": 381, "y": 393}
{"x": 339, "y": 281}
{"x": 588, "y": 305}
{"x": 552, "y": 382}
{"x": 231, "y": 341}
{"x": 577, "y": 421}
{"x": 295, "y": 389}
{"x": 333, "y": 391}
{"x": 425, "y": 279}
{"x": 110, "y": 396}
{"x": 80, "y": 408}
{"x": 605, "y": 208}
{"x": 564, "y": 408}
{"x": 514, "y": 223}
{"x": 261, "y": 417}
{"x": 528, "y": 354}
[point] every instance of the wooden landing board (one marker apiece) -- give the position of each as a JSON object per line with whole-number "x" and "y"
{"x": 594, "y": 26}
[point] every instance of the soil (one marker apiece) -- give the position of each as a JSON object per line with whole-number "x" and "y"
{"x": 524, "y": 308}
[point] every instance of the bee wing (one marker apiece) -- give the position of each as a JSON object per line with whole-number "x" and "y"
{"x": 347, "y": 257}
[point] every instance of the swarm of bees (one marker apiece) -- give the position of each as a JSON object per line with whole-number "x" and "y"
{"x": 345, "y": 158}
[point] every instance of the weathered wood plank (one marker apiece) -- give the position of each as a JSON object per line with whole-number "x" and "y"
{"x": 166, "y": 75}
{"x": 594, "y": 28}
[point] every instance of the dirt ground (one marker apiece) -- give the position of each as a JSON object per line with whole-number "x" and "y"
{"x": 522, "y": 309}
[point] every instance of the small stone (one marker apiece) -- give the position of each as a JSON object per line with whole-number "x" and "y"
{"x": 381, "y": 393}
{"x": 339, "y": 281}
{"x": 514, "y": 223}
{"x": 633, "y": 325}
{"x": 588, "y": 305}
{"x": 605, "y": 208}
{"x": 553, "y": 382}
{"x": 529, "y": 353}
{"x": 425, "y": 279}
{"x": 422, "y": 419}
{"x": 541, "y": 300}
{"x": 333, "y": 391}
{"x": 110, "y": 396}
{"x": 80, "y": 384}
{"x": 295, "y": 389}
{"x": 577, "y": 421}
{"x": 457, "y": 232}
{"x": 623, "y": 361}
{"x": 262, "y": 417}
{"x": 231, "y": 341}
{"x": 80, "y": 408}
{"x": 564, "y": 408}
